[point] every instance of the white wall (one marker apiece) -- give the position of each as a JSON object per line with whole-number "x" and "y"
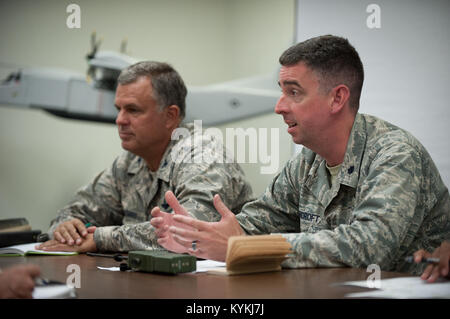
{"x": 44, "y": 159}
{"x": 407, "y": 73}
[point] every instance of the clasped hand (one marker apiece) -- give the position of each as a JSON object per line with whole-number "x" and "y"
{"x": 71, "y": 235}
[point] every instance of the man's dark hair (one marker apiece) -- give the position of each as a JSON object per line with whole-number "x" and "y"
{"x": 333, "y": 59}
{"x": 168, "y": 86}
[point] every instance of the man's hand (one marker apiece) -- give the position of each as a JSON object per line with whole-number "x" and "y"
{"x": 18, "y": 281}
{"x": 162, "y": 221}
{"x": 88, "y": 245}
{"x": 433, "y": 271}
{"x": 211, "y": 237}
{"x": 70, "y": 232}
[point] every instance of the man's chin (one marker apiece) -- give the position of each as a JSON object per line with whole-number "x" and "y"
{"x": 126, "y": 145}
{"x": 297, "y": 140}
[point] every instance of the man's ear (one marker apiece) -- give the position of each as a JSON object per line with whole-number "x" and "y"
{"x": 339, "y": 98}
{"x": 172, "y": 116}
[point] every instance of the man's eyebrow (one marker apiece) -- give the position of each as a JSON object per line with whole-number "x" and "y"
{"x": 125, "y": 106}
{"x": 295, "y": 83}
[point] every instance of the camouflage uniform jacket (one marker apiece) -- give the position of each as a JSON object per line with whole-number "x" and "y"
{"x": 388, "y": 201}
{"x": 195, "y": 167}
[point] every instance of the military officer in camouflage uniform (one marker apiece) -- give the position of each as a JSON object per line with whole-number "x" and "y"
{"x": 150, "y": 99}
{"x": 362, "y": 191}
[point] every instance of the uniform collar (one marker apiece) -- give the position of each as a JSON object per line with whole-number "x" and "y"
{"x": 349, "y": 173}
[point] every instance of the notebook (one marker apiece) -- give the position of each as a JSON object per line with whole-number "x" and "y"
{"x": 28, "y": 249}
{"x": 253, "y": 254}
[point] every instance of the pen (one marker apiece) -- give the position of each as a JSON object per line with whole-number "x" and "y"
{"x": 410, "y": 259}
{"x": 42, "y": 238}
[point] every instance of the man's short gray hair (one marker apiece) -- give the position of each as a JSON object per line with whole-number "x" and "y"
{"x": 168, "y": 86}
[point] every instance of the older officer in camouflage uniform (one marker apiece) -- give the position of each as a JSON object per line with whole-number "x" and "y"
{"x": 362, "y": 191}
{"x": 150, "y": 99}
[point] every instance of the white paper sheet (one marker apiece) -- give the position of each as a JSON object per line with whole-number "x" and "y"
{"x": 54, "y": 292}
{"x": 403, "y": 288}
{"x": 205, "y": 265}
{"x": 109, "y": 268}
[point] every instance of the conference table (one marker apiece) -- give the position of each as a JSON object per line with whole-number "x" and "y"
{"x": 285, "y": 284}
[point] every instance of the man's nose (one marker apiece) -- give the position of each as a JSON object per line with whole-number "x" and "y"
{"x": 121, "y": 118}
{"x": 281, "y": 106}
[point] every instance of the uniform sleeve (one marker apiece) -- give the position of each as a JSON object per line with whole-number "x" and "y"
{"x": 386, "y": 207}
{"x": 128, "y": 237}
{"x": 205, "y": 171}
{"x": 194, "y": 185}
{"x": 97, "y": 203}
{"x": 277, "y": 209}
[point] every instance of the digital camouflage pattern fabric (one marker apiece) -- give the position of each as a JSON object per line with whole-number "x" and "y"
{"x": 195, "y": 167}
{"x": 388, "y": 201}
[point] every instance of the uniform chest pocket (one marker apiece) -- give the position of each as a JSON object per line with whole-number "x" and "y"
{"x": 132, "y": 217}
{"x": 310, "y": 222}
{"x": 133, "y": 210}
{"x": 340, "y": 210}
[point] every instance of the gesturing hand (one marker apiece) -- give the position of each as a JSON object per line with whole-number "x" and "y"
{"x": 211, "y": 238}
{"x": 162, "y": 221}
